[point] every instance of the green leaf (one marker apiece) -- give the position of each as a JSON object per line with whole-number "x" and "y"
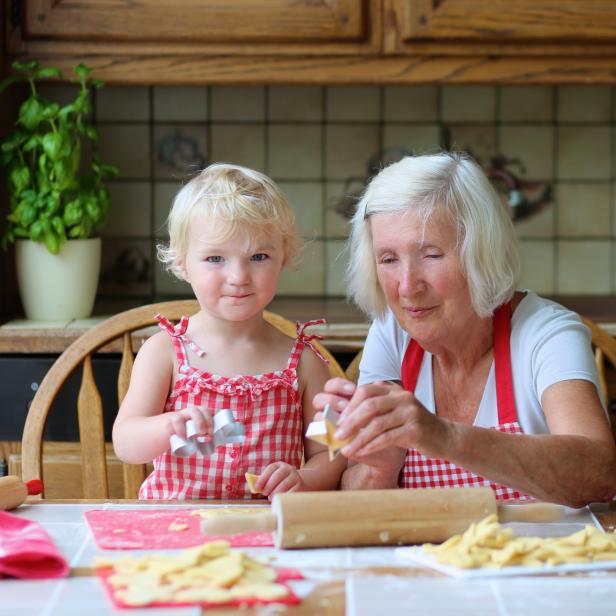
{"x": 48, "y": 71}
{"x": 94, "y": 210}
{"x": 28, "y": 215}
{"x": 72, "y": 213}
{"x": 32, "y": 143}
{"x": 37, "y": 231}
{"x": 58, "y": 226}
{"x": 30, "y": 113}
{"x": 20, "y": 178}
{"x": 52, "y": 241}
{"x": 82, "y": 71}
{"x": 52, "y": 143}
{"x": 11, "y": 79}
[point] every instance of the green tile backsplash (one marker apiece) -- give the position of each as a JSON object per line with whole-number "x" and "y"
{"x": 319, "y": 144}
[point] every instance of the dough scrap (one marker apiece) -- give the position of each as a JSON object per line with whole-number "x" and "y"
{"x": 211, "y": 572}
{"x": 488, "y": 544}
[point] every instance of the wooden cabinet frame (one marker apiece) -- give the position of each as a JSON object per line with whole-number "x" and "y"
{"x": 324, "y": 41}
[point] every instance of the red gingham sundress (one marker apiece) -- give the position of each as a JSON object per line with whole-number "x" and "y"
{"x": 268, "y": 405}
{"x": 420, "y": 471}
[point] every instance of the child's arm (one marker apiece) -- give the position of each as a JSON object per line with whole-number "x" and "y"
{"x": 318, "y": 473}
{"x": 141, "y": 430}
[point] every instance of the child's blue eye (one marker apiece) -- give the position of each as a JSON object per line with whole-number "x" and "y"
{"x": 214, "y": 259}
{"x": 260, "y": 256}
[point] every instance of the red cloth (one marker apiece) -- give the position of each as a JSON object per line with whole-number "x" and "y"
{"x": 27, "y": 551}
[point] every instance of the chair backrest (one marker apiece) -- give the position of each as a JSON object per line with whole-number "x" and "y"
{"x": 605, "y": 348}
{"x": 89, "y": 405}
{"x": 352, "y": 370}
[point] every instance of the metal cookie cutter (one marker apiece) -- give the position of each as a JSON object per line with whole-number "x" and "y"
{"x": 226, "y": 432}
{"x": 322, "y": 431}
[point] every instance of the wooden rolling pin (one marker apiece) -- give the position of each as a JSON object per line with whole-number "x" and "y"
{"x": 376, "y": 517}
{"x": 13, "y": 491}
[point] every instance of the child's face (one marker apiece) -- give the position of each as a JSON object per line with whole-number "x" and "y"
{"x": 233, "y": 279}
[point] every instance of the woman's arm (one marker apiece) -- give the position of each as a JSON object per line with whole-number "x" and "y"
{"x": 574, "y": 465}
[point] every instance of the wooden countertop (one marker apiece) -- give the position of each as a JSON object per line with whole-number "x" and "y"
{"x": 345, "y": 330}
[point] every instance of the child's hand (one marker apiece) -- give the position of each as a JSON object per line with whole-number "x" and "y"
{"x": 279, "y": 477}
{"x": 202, "y": 418}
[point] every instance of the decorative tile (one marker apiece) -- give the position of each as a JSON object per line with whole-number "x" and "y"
{"x": 340, "y": 204}
{"x": 539, "y": 225}
{"x": 584, "y": 209}
{"x": 584, "y": 267}
{"x": 129, "y": 210}
{"x": 180, "y": 150}
{"x": 533, "y": 146}
{"x": 300, "y": 103}
{"x": 126, "y": 268}
{"x": 468, "y": 104}
{"x": 123, "y": 103}
{"x": 164, "y": 194}
{"x": 63, "y": 94}
{"x": 309, "y": 277}
{"x": 526, "y": 104}
{"x": 238, "y": 103}
{"x": 584, "y": 152}
{"x": 294, "y": 151}
{"x": 349, "y": 148}
{"x": 584, "y": 104}
{"x": 240, "y": 144}
{"x": 307, "y": 201}
{"x": 478, "y": 141}
{"x": 180, "y": 104}
{"x": 537, "y": 271}
{"x": 402, "y": 139}
{"x": 127, "y": 147}
{"x": 411, "y": 104}
{"x": 167, "y": 285}
{"x": 335, "y": 268}
{"x": 353, "y": 103}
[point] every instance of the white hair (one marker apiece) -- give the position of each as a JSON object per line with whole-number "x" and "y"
{"x": 454, "y": 185}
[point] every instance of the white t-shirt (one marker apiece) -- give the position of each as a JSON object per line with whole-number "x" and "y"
{"x": 548, "y": 344}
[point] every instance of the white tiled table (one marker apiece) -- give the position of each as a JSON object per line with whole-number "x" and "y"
{"x": 369, "y": 580}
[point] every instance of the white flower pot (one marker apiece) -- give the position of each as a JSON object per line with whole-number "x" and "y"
{"x": 58, "y": 287}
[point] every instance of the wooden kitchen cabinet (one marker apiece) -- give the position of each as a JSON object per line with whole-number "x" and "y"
{"x": 518, "y": 27}
{"x": 202, "y": 27}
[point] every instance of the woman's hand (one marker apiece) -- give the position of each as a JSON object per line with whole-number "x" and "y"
{"x": 201, "y": 418}
{"x": 337, "y": 393}
{"x": 279, "y": 477}
{"x": 383, "y": 420}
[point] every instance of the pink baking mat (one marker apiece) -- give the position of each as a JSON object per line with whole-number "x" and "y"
{"x": 148, "y": 529}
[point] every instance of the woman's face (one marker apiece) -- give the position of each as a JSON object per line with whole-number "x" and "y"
{"x": 420, "y": 272}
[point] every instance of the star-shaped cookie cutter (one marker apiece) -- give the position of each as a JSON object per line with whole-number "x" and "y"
{"x": 226, "y": 432}
{"x": 322, "y": 431}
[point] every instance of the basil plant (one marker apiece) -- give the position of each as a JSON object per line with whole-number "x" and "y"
{"x": 52, "y": 199}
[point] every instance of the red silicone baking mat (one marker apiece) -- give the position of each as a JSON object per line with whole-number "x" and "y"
{"x": 148, "y": 529}
{"x": 284, "y": 575}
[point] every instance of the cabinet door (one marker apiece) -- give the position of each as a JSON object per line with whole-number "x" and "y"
{"x": 199, "y": 26}
{"x": 501, "y": 26}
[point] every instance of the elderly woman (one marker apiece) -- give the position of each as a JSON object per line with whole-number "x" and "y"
{"x": 464, "y": 380}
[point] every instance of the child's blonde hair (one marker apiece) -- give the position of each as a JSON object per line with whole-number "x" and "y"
{"x": 243, "y": 199}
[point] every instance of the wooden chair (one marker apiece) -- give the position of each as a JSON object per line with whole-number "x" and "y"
{"x": 95, "y": 452}
{"x": 605, "y": 348}
{"x": 352, "y": 371}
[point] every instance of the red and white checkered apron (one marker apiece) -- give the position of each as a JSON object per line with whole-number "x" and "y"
{"x": 420, "y": 471}
{"x": 268, "y": 405}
